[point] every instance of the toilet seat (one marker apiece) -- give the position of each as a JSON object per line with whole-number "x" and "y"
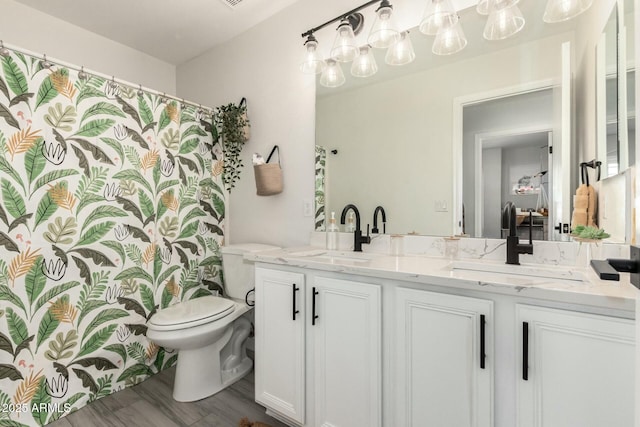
{"x": 192, "y": 313}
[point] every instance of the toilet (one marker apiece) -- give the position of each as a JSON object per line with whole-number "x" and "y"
{"x": 210, "y": 332}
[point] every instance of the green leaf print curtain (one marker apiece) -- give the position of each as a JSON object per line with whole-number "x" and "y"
{"x": 111, "y": 208}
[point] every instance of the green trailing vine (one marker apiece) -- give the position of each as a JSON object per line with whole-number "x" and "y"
{"x": 231, "y": 121}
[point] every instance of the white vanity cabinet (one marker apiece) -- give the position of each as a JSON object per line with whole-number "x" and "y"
{"x": 342, "y": 349}
{"x": 576, "y": 369}
{"x": 444, "y": 359}
{"x": 327, "y": 331}
{"x": 347, "y": 353}
{"x": 280, "y": 342}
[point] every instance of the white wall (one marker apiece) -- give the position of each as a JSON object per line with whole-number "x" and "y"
{"x": 262, "y": 65}
{"x": 26, "y": 28}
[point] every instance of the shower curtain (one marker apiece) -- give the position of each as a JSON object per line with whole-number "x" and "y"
{"x": 112, "y": 207}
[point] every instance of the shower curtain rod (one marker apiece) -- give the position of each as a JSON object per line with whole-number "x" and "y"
{"x": 44, "y": 57}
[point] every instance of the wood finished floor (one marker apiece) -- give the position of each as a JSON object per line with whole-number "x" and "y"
{"x": 149, "y": 404}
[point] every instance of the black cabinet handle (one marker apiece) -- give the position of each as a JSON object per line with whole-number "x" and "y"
{"x": 295, "y": 289}
{"x": 525, "y": 351}
{"x": 483, "y": 356}
{"x": 314, "y": 316}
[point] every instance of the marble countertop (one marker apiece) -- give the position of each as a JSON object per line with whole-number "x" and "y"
{"x": 440, "y": 271}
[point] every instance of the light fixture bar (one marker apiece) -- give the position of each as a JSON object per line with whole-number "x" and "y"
{"x": 339, "y": 18}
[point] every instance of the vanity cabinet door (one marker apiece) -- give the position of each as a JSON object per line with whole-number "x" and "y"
{"x": 347, "y": 353}
{"x": 444, "y": 360}
{"x": 280, "y": 342}
{"x": 576, "y": 369}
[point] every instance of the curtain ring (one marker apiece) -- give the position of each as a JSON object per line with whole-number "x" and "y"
{"x": 82, "y": 75}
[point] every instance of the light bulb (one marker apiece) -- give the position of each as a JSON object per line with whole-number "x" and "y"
{"x": 344, "y": 47}
{"x": 563, "y": 10}
{"x": 401, "y": 52}
{"x": 383, "y": 31}
{"x": 449, "y": 40}
{"x": 332, "y": 76}
{"x": 365, "y": 64}
{"x": 437, "y": 14}
{"x": 311, "y": 63}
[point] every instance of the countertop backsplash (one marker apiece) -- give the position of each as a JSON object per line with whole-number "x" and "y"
{"x": 544, "y": 252}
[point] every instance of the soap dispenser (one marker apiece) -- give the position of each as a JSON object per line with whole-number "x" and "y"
{"x": 332, "y": 233}
{"x": 351, "y": 225}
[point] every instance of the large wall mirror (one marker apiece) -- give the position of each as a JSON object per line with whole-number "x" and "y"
{"x": 388, "y": 140}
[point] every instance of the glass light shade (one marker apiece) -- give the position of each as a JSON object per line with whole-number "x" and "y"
{"x": 562, "y": 10}
{"x": 384, "y": 31}
{"x": 312, "y": 63}
{"x": 401, "y": 52}
{"x": 365, "y": 64}
{"x": 449, "y": 40}
{"x": 486, "y": 6}
{"x": 437, "y": 14}
{"x": 344, "y": 47}
{"x": 332, "y": 76}
{"x": 503, "y": 23}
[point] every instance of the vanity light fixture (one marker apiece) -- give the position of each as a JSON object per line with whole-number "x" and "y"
{"x": 401, "y": 53}
{"x": 563, "y": 10}
{"x": 365, "y": 64}
{"x": 504, "y": 20}
{"x": 440, "y": 19}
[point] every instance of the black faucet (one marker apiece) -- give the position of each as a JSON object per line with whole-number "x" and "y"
{"x": 358, "y": 238}
{"x": 375, "y": 220}
{"x": 514, "y": 247}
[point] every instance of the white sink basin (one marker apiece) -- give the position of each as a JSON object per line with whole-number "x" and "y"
{"x": 533, "y": 270}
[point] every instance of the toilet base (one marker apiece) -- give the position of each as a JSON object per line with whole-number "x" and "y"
{"x": 207, "y": 379}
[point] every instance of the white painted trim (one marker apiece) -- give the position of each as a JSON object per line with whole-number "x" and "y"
{"x": 479, "y": 187}
{"x": 566, "y": 137}
{"x": 601, "y": 107}
{"x": 623, "y": 125}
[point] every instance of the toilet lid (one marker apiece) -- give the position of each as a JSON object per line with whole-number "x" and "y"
{"x": 197, "y": 310}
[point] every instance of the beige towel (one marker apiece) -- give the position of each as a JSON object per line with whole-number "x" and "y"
{"x": 584, "y": 206}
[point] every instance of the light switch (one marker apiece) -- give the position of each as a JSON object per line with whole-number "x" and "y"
{"x": 307, "y": 209}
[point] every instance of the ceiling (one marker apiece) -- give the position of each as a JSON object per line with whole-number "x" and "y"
{"x": 174, "y": 31}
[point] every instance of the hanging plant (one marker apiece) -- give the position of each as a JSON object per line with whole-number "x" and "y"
{"x": 232, "y": 122}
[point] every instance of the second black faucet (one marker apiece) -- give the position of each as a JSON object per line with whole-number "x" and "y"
{"x": 358, "y": 238}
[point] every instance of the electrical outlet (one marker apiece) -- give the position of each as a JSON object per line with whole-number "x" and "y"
{"x": 307, "y": 207}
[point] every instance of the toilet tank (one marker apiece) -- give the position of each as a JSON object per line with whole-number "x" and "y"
{"x": 238, "y": 273}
